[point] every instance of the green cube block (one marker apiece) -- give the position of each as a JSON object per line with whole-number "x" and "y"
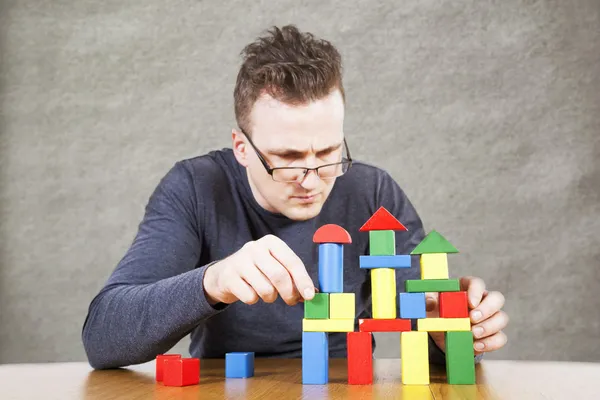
{"x": 460, "y": 358}
{"x": 382, "y": 243}
{"x": 318, "y": 307}
{"x": 432, "y": 285}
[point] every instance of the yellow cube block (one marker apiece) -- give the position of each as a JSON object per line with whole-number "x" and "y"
{"x": 328, "y": 325}
{"x": 443, "y": 324}
{"x": 434, "y": 266}
{"x": 383, "y": 293}
{"x": 414, "y": 353}
{"x": 341, "y": 306}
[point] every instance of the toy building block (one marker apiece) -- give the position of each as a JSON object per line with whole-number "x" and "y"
{"x": 317, "y": 307}
{"x": 434, "y": 266}
{"x": 315, "y": 358}
{"x": 460, "y": 358}
{"x": 412, "y": 305}
{"x": 160, "y": 362}
{"x": 360, "y": 358}
{"x": 382, "y": 243}
{"x": 384, "y": 325}
{"x": 443, "y": 324}
{"x": 239, "y": 365}
{"x": 332, "y": 233}
{"x": 434, "y": 243}
{"x": 328, "y": 325}
{"x": 342, "y": 306}
{"x": 181, "y": 371}
{"x": 382, "y": 220}
{"x": 432, "y": 285}
{"x": 331, "y": 268}
{"x": 383, "y": 286}
{"x": 393, "y": 261}
{"x": 454, "y": 305}
{"x": 414, "y": 353}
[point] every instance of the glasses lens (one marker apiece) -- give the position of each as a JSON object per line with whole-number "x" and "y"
{"x": 333, "y": 170}
{"x": 288, "y": 174}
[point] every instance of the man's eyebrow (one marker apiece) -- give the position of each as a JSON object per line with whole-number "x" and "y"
{"x": 290, "y": 152}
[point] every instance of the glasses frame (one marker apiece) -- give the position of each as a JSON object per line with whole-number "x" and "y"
{"x": 270, "y": 170}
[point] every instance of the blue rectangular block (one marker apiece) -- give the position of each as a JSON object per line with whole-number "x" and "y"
{"x": 331, "y": 268}
{"x": 239, "y": 365}
{"x": 412, "y": 305}
{"x": 315, "y": 358}
{"x": 397, "y": 261}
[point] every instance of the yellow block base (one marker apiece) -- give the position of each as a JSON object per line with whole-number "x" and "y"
{"x": 414, "y": 351}
{"x": 341, "y": 306}
{"x": 328, "y": 325}
{"x": 443, "y": 324}
{"x": 434, "y": 266}
{"x": 383, "y": 293}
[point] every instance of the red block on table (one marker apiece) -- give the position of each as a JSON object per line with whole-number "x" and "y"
{"x": 454, "y": 305}
{"x": 160, "y": 364}
{"x": 384, "y": 325}
{"x": 181, "y": 372}
{"x": 360, "y": 358}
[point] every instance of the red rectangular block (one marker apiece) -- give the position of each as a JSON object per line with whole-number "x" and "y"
{"x": 160, "y": 364}
{"x": 360, "y": 358}
{"x": 181, "y": 372}
{"x": 384, "y": 325}
{"x": 454, "y": 305}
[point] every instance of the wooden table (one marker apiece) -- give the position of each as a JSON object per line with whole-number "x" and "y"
{"x": 281, "y": 379}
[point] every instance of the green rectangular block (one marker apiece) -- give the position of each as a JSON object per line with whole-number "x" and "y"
{"x": 432, "y": 285}
{"x": 318, "y": 307}
{"x": 382, "y": 243}
{"x": 460, "y": 358}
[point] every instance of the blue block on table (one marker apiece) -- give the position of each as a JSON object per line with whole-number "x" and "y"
{"x": 412, "y": 305}
{"x": 239, "y": 365}
{"x": 396, "y": 261}
{"x": 315, "y": 358}
{"x": 331, "y": 268}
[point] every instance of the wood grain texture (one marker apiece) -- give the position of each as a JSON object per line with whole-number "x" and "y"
{"x": 281, "y": 379}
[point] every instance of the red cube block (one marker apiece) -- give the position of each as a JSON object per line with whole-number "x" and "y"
{"x": 360, "y": 358}
{"x": 454, "y": 305}
{"x": 160, "y": 364}
{"x": 181, "y": 372}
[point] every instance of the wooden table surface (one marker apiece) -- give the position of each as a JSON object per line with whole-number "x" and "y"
{"x": 281, "y": 379}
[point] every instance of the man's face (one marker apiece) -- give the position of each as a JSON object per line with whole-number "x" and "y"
{"x": 307, "y": 135}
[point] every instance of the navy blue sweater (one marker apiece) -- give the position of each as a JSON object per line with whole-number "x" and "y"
{"x": 202, "y": 211}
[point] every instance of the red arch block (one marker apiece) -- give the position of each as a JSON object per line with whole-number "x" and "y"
{"x": 332, "y": 233}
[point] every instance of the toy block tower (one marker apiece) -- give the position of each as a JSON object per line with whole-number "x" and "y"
{"x": 331, "y": 310}
{"x": 454, "y": 312}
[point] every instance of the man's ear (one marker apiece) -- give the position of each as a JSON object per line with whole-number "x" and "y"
{"x": 239, "y": 146}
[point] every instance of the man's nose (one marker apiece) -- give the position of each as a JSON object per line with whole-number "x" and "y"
{"x": 311, "y": 180}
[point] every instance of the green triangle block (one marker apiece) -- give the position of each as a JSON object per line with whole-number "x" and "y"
{"x": 434, "y": 243}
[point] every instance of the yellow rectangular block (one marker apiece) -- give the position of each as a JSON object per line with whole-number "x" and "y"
{"x": 383, "y": 293}
{"x": 414, "y": 352}
{"x": 434, "y": 266}
{"x": 328, "y": 325}
{"x": 342, "y": 306}
{"x": 443, "y": 324}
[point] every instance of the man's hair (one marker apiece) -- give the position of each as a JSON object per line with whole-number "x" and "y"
{"x": 291, "y": 66}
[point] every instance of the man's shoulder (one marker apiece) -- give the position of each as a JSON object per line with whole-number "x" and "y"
{"x": 208, "y": 168}
{"x": 365, "y": 176}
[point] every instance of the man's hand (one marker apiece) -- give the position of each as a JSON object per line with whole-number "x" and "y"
{"x": 485, "y": 311}
{"x": 263, "y": 269}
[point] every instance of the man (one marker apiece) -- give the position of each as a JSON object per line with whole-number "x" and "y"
{"x": 224, "y": 251}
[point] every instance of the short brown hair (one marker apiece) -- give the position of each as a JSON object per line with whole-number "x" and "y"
{"x": 291, "y": 66}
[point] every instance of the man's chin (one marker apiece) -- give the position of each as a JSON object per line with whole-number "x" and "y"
{"x": 303, "y": 212}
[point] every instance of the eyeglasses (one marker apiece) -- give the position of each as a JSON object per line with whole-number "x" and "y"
{"x": 297, "y": 174}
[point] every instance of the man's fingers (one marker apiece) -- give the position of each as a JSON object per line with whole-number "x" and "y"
{"x": 491, "y": 304}
{"x": 240, "y": 289}
{"x": 276, "y": 273}
{"x": 475, "y": 288}
{"x": 260, "y": 283}
{"x": 490, "y": 343}
{"x": 490, "y": 326}
{"x": 293, "y": 264}
{"x": 431, "y": 302}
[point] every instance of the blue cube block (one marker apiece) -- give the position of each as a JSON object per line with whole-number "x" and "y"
{"x": 239, "y": 365}
{"x": 412, "y": 305}
{"x": 331, "y": 268}
{"x": 315, "y": 358}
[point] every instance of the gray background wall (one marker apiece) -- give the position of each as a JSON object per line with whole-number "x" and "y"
{"x": 487, "y": 113}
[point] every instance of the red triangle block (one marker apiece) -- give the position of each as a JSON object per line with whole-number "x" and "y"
{"x": 332, "y": 233}
{"x": 382, "y": 220}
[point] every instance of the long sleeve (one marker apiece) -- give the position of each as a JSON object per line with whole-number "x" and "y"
{"x": 155, "y": 295}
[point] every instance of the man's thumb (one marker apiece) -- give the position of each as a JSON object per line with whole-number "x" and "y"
{"x": 430, "y": 303}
